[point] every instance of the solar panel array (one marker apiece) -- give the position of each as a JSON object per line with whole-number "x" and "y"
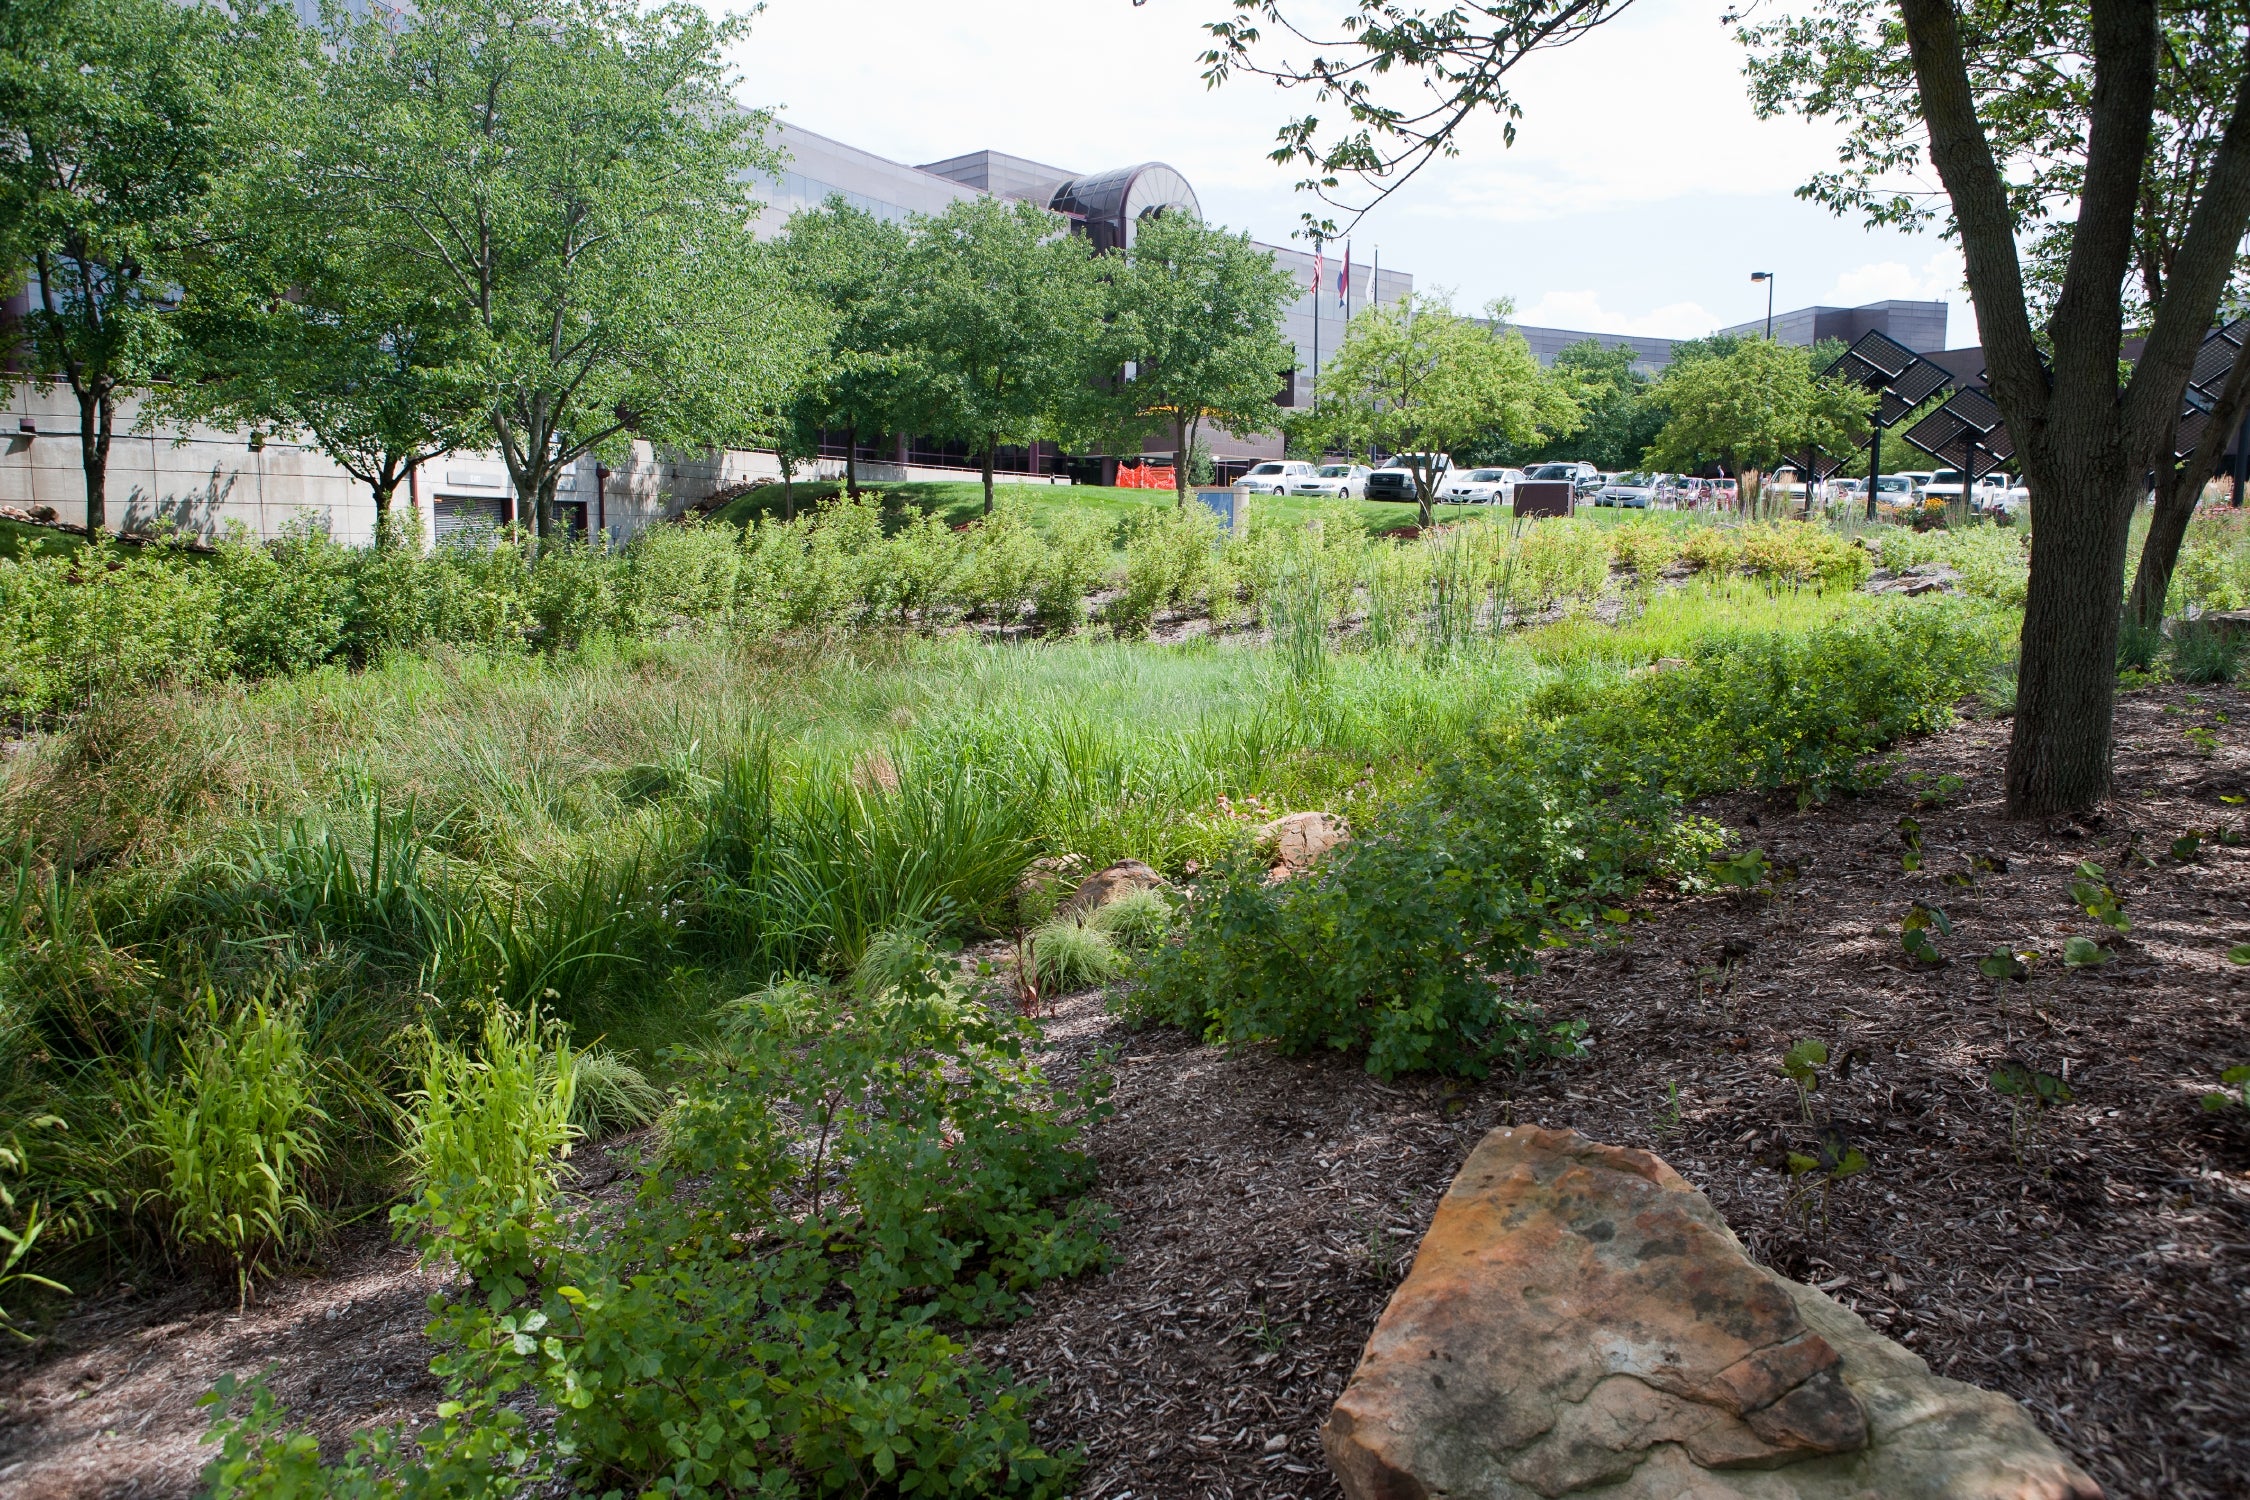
{"x": 1900, "y": 379}
{"x": 1967, "y": 433}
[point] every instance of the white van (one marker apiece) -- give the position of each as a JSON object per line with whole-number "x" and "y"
{"x": 1275, "y": 477}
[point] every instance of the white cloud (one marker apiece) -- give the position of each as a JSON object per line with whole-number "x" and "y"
{"x": 1938, "y": 279}
{"x": 1584, "y": 310}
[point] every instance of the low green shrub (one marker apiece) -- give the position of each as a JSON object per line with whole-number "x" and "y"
{"x": 2205, "y": 653}
{"x": 230, "y": 1141}
{"x": 1399, "y": 944}
{"x": 846, "y": 1180}
{"x": 1137, "y": 919}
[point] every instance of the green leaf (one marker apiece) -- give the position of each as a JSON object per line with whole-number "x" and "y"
{"x": 2084, "y": 953}
{"x": 1802, "y": 1058}
{"x": 2239, "y": 953}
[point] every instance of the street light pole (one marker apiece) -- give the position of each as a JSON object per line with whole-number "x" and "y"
{"x": 1767, "y": 278}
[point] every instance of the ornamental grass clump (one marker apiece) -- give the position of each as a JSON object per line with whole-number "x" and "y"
{"x": 232, "y": 1142}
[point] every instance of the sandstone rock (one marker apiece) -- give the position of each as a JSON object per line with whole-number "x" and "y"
{"x": 1106, "y": 885}
{"x": 1042, "y": 882}
{"x": 1580, "y": 1321}
{"x": 1294, "y": 841}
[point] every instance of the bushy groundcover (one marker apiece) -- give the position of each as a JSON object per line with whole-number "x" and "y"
{"x": 1403, "y": 943}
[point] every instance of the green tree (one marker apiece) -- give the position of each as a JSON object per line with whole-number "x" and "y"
{"x": 1748, "y": 409}
{"x": 1614, "y": 401}
{"x": 115, "y": 118}
{"x": 1853, "y": 64}
{"x": 1001, "y": 328}
{"x": 572, "y": 179}
{"x": 305, "y": 326}
{"x": 1417, "y": 379}
{"x": 2002, "y": 95}
{"x": 850, "y": 266}
{"x": 1197, "y": 313}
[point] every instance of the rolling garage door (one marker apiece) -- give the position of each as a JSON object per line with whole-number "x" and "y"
{"x": 467, "y": 516}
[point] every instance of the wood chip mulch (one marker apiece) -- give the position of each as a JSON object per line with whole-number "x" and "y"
{"x": 1267, "y": 1206}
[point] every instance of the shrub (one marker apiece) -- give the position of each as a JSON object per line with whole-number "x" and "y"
{"x": 230, "y": 1139}
{"x": 1712, "y": 549}
{"x": 1137, "y": 919}
{"x": 571, "y": 596}
{"x": 1557, "y": 560}
{"x": 1168, "y": 557}
{"x": 1646, "y": 547}
{"x": 1077, "y": 559}
{"x": 608, "y": 1094}
{"x": 1396, "y": 945}
{"x": 1005, "y": 557}
{"x": 1793, "y": 552}
{"x": 839, "y": 1189}
{"x": 106, "y": 620}
{"x": 283, "y": 603}
{"x": 2205, "y": 653}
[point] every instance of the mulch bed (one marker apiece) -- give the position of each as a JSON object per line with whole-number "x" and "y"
{"x": 1266, "y": 1206}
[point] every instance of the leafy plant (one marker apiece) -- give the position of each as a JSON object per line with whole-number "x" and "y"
{"x": 1137, "y": 919}
{"x": 2186, "y": 847}
{"x": 1748, "y": 870}
{"x": 1801, "y": 1065}
{"x": 2006, "y": 963}
{"x": 2239, "y": 953}
{"x": 1814, "y": 1177}
{"x": 2203, "y": 740}
{"x": 1910, "y": 834}
{"x": 2084, "y": 953}
{"x": 2026, "y": 1087}
{"x": 230, "y": 1139}
{"x": 2233, "y": 1093}
{"x": 20, "y": 1239}
{"x": 2091, "y": 890}
{"x": 2205, "y": 653}
{"x": 1914, "y": 933}
{"x": 1069, "y": 955}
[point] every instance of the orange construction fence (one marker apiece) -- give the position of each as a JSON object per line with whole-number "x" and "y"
{"x": 1147, "y": 477}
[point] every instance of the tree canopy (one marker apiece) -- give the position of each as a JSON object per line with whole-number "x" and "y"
{"x": 1416, "y": 378}
{"x": 573, "y": 180}
{"x": 1751, "y": 408}
{"x": 116, "y": 118}
{"x": 1002, "y": 322}
{"x": 1196, "y": 312}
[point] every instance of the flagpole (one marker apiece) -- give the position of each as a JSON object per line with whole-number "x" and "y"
{"x": 1316, "y": 280}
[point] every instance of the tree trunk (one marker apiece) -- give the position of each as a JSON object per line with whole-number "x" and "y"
{"x": 1425, "y": 490}
{"x": 2176, "y": 500}
{"x": 2059, "y": 750}
{"x": 990, "y": 440}
{"x": 851, "y": 463}
{"x": 1180, "y": 458}
{"x": 95, "y": 417}
{"x": 788, "y": 487}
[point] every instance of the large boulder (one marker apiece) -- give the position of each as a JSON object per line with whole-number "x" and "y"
{"x": 1107, "y": 884}
{"x": 1580, "y": 1321}
{"x": 1292, "y": 842}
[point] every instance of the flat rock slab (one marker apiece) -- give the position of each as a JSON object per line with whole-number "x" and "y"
{"x": 1580, "y": 1321}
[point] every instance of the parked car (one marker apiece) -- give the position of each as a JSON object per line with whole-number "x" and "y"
{"x": 1898, "y": 490}
{"x": 1726, "y": 492}
{"x": 1631, "y": 491}
{"x": 1484, "y": 487}
{"x": 1584, "y": 478}
{"x": 1275, "y": 477}
{"x": 1945, "y": 485}
{"x": 1335, "y": 481}
{"x": 1395, "y": 480}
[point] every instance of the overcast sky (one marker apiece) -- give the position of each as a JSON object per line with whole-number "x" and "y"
{"x": 1640, "y": 194}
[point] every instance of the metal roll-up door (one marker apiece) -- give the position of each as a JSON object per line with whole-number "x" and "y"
{"x": 468, "y": 516}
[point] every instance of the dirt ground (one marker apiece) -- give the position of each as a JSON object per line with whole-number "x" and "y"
{"x": 2098, "y": 1268}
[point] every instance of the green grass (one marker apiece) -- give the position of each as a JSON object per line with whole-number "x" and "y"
{"x": 20, "y": 540}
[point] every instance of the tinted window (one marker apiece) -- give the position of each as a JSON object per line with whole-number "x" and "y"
{"x": 1335, "y": 471}
{"x": 1267, "y": 469}
{"x": 1486, "y": 475}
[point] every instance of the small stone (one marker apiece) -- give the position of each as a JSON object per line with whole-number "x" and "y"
{"x": 1278, "y": 1443}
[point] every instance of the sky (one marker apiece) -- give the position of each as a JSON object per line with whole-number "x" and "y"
{"x": 1639, "y": 196}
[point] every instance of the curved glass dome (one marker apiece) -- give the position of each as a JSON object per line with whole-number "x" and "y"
{"x": 1108, "y": 204}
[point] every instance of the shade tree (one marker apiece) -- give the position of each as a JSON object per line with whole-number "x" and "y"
{"x": 1750, "y": 408}
{"x": 1000, "y": 331}
{"x": 573, "y": 180}
{"x": 1194, "y": 315}
{"x": 1418, "y": 380}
